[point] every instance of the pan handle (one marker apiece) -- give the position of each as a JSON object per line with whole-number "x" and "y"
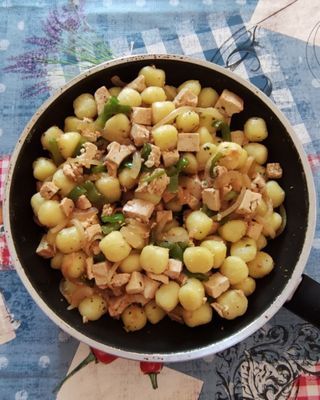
{"x": 305, "y": 301}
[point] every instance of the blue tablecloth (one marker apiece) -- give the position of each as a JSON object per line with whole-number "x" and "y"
{"x": 43, "y": 44}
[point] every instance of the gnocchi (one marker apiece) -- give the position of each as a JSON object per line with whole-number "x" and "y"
{"x": 151, "y": 207}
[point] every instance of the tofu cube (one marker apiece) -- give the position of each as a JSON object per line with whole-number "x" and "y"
{"x": 174, "y": 268}
{"x": 249, "y": 202}
{"x": 136, "y": 283}
{"x": 170, "y": 157}
{"x": 216, "y": 285}
{"x": 229, "y": 103}
{"x": 274, "y": 171}
{"x": 185, "y": 98}
{"x": 101, "y": 96}
{"x": 137, "y": 208}
{"x": 140, "y": 134}
{"x": 141, "y": 115}
{"x": 188, "y": 141}
{"x": 211, "y": 197}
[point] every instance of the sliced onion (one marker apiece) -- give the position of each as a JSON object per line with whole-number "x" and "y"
{"x": 246, "y": 181}
{"x": 132, "y": 236}
{"x": 136, "y": 165}
{"x": 77, "y": 224}
{"x": 172, "y": 116}
{"x": 58, "y": 227}
{"x": 283, "y": 213}
{"x": 81, "y": 293}
{"x": 84, "y": 215}
{"x": 181, "y": 236}
{"x": 232, "y": 208}
{"x": 112, "y": 271}
{"x": 267, "y": 227}
{"x": 247, "y": 165}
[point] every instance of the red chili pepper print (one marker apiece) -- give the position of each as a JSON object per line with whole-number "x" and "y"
{"x": 94, "y": 355}
{"x": 152, "y": 369}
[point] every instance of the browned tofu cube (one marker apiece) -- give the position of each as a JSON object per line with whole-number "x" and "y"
{"x": 249, "y": 202}
{"x": 229, "y": 103}
{"x": 138, "y": 84}
{"x": 211, "y": 197}
{"x": 140, "y": 134}
{"x": 185, "y": 98}
{"x": 101, "y": 96}
{"x": 137, "y": 208}
{"x": 274, "y": 171}
{"x": 174, "y": 268}
{"x": 136, "y": 283}
{"x": 141, "y": 115}
{"x": 188, "y": 141}
{"x": 170, "y": 157}
{"x": 216, "y": 285}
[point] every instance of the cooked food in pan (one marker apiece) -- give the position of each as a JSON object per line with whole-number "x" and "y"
{"x": 152, "y": 207}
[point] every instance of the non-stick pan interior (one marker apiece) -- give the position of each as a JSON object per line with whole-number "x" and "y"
{"x": 167, "y": 336}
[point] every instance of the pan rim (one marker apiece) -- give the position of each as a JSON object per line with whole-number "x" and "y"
{"x": 225, "y": 343}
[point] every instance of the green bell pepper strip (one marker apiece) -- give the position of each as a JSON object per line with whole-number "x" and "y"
{"x": 55, "y": 152}
{"x": 173, "y": 184}
{"x": 111, "y": 108}
{"x": 117, "y": 217}
{"x": 90, "y": 191}
{"x": 224, "y": 128}
{"x": 97, "y": 169}
{"x": 176, "y": 250}
{"x": 76, "y": 192}
{"x": 95, "y": 197}
{"x": 127, "y": 164}
{"x": 145, "y": 151}
{"x": 76, "y": 151}
{"x": 108, "y": 228}
{"x": 152, "y": 177}
{"x": 197, "y": 275}
{"x": 205, "y": 209}
{"x": 214, "y": 162}
{"x": 174, "y": 172}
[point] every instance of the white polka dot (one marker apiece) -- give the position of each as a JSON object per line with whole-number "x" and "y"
{"x": 241, "y": 2}
{"x": 4, "y": 44}
{"x": 3, "y": 362}
{"x": 63, "y": 337}
{"x": 1, "y": 132}
{"x": 316, "y": 243}
{"x": 2, "y": 87}
{"x": 315, "y": 83}
{"x": 140, "y": 3}
{"x": 300, "y": 60}
{"x": 44, "y": 361}
{"x": 21, "y": 395}
{"x": 174, "y": 2}
{"x": 20, "y": 25}
{"x": 208, "y": 359}
{"x": 207, "y": 2}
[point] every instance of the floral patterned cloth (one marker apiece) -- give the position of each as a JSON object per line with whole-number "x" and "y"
{"x": 45, "y": 43}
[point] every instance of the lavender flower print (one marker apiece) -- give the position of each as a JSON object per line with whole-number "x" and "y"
{"x": 66, "y": 45}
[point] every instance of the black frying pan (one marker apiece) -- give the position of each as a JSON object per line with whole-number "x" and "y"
{"x": 167, "y": 340}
